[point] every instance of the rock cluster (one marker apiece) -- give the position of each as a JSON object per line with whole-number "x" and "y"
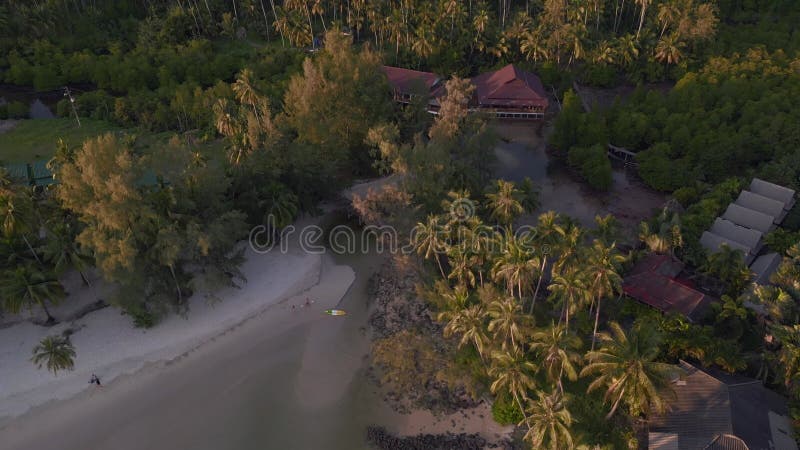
{"x": 383, "y": 440}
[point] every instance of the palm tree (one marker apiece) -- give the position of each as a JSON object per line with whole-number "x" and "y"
{"x": 569, "y": 288}
{"x": 63, "y": 252}
{"x": 557, "y": 350}
{"x": 515, "y": 265}
{"x": 469, "y": 323}
{"x": 512, "y": 373}
{"x": 507, "y": 321}
{"x": 607, "y": 229}
{"x": 627, "y": 367}
{"x": 549, "y": 233}
{"x": 604, "y": 280}
{"x": 26, "y": 286}
{"x": 17, "y": 215}
{"x": 56, "y": 352}
{"x": 428, "y": 240}
{"x": 461, "y": 263}
{"x": 788, "y": 356}
{"x": 643, "y": 4}
{"x": 551, "y": 422}
{"x": 668, "y": 49}
{"x": 505, "y": 202}
{"x": 727, "y": 265}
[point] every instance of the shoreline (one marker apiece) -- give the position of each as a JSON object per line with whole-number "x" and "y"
{"x": 108, "y": 344}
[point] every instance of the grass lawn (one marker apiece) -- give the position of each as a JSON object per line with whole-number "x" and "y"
{"x": 32, "y": 140}
{"x": 35, "y": 139}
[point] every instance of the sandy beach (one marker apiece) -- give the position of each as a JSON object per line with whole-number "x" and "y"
{"x": 108, "y": 345}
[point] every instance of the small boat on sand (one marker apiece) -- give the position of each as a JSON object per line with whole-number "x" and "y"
{"x": 335, "y": 312}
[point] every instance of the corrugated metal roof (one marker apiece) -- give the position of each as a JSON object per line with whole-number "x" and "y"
{"x": 715, "y": 410}
{"x": 727, "y": 442}
{"x": 764, "y": 266}
{"x": 773, "y": 191}
{"x": 713, "y": 242}
{"x": 762, "y": 204}
{"x": 652, "y": 282}
{"x": 749, "y": 218}
{"x": 745, "y": 236}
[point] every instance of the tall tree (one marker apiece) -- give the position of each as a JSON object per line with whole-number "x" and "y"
{"x": 55, "y": 352}
{"x": 627, "y": 367}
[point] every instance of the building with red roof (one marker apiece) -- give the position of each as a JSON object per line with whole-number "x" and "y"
{"x": 654, "y": 281}
{"x": 509, "y": 92}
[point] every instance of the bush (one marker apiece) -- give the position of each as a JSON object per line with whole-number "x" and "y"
{"x": 686, "y": 196}
{"x": 593, "y": 165}
{"x": 505, "y": 411}
{"x": 599, "y": 75}
{"x": 3, "y": 111}
{"x": 18, "y": 110}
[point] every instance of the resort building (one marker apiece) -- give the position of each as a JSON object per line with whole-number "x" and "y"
{"x": 715, "y": 410}
{"x": 655, "y": 281}
{"x": 507, "y": 93}
{"x": 755, "y": 212}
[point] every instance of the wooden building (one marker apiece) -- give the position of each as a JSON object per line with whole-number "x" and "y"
{"x": 507, "y": 93}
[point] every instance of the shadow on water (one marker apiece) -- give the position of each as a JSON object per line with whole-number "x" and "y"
{"x": 41, "y": 104}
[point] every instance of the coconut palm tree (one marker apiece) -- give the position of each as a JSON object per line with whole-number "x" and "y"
{"x": 788, "y": 356}
{"x": 461, "y": 264}
{"x": 515, "y": 265}
{"x": 18, "y": 217}
{"x": 668, "y": 49}
{"x": 505, "y": 203}
{"x": 557, "y": 351}
{"x": 549, "y": 234}
{"x": 246, "y": 92}
{"x": 29, "y": 286}
{"x": 607, "y": 229}
{"x": 601, "y": 270}
{"x": 507, "y": 322}
{"x": 62, "y": 251}
{"x": 569, "y": 287}
{"x": 55, "y": 352}
{"x": 626, "y": 367}
{"x": 470, "y": 324}
{"x": 551, "y": 422}
{"x": 727, "y": 265}
{"x": 428, "y": 239}
{"x": 512, "y": 373}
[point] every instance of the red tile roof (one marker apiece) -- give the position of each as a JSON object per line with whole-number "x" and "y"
{"x": 404, "y": 80}
{"x": 652, "y": 282}
{"x": 510, "y": 86}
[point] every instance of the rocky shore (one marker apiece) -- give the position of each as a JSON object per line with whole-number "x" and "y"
{"x": 383, "y": 440}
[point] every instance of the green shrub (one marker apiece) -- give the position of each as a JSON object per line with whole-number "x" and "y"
{"x": 505, "y": 411}
{"x": 3, "y": 111}
{"x": 593, "y": 165}
{"x": 18, "y": 110}
{"x": 686, "y": 195}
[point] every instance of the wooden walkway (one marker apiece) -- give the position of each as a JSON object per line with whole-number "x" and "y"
{"x": 620, "y": 154}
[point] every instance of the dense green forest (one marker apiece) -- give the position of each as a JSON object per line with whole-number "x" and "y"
{"x": 208, "y": 116}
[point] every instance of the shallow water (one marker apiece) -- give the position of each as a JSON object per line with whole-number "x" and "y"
{"x": 41, "y": 106}
{"x": 523, "y": 155}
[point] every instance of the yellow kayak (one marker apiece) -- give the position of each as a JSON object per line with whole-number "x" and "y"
{"x": 335, "y": 312}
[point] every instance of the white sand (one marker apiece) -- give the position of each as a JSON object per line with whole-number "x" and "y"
{"x": 108, "y": 345}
